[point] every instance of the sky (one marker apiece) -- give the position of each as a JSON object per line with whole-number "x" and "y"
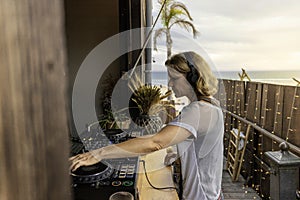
{"x": 234, "y": 34}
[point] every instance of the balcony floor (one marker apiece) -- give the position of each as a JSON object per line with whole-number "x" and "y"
{"x": 236, "y": 190}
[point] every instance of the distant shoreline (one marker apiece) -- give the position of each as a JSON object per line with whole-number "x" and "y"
{"x": 262, "y": 74}
{"x": 273, "y": 77}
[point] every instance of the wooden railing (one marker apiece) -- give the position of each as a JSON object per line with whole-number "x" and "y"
{"x": 266, "y": 133}
{"x": 273, "y": 111}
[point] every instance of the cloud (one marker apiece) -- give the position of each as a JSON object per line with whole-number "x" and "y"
{"x": 239, "y": 9}
{"x": 234, "y": 33}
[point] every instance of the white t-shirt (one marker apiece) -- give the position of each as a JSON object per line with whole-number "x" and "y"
{"x": 202, "y": 153}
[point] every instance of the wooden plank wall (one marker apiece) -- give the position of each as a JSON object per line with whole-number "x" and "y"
{"x": 227, "y": 103}
{"x": 33, "y": 120}
{"x": 291, "y": 115}
{"x": 252, "y": 113}
{"x": 275, "y": 108}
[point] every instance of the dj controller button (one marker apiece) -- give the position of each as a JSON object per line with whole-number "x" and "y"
{"x": 127, "y": 183}
{"x": 122, "y": 175}
{"x": 124, "y": 167}
{"x": 129, "y": 176}
{"x": 116, "y": 183}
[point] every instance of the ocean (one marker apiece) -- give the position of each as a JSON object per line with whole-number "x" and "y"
{"x": 273, "y": 77}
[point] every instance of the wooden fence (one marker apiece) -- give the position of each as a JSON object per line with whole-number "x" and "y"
{"x": 275, "y": 108}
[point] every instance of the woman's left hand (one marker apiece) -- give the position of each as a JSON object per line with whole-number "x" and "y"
{"x": 84, "y": 159}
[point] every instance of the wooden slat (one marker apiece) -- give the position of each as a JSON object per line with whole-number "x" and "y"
{"x": 270, "y": 99}
{"x": 230, "y": 155}
{"x": 253, "y": 95}
{"x": 233, "y": 143}
{"x": 273, "y": 114}
{"x": 239, "y": 98}
{"x": 33, "y": 117}
{"x": 233, "y": 134}
{"x": 229, "y": 89}
{"x": 291, "y": 97}
{"x": 221, "y": 95}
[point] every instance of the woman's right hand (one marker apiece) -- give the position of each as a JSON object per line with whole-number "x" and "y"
{"x": 84, "y": 159}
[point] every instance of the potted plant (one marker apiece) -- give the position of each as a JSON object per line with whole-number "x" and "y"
{"x": 148, "y": 108}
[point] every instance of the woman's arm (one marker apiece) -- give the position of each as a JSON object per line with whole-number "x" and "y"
{"x": 168, "y": 136}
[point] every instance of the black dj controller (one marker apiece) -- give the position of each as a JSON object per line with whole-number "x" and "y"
{"x": 101, "y": 180}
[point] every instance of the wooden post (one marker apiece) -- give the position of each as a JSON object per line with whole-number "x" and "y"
{"x": 33, "y": 120}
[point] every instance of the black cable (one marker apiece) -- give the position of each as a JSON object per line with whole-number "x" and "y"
{"x": 157, "y": 188}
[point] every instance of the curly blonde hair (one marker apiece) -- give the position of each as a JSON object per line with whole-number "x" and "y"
{"x": 205, "y": 84}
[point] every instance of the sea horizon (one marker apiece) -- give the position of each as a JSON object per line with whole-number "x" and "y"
{"x": 280, "y": 77}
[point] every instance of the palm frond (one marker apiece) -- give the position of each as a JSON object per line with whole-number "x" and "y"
{"x": 187, "y": 25}
{"x": 180, "y": 6}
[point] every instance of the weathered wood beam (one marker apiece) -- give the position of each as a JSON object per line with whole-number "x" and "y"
{"x": 33, "y": 116}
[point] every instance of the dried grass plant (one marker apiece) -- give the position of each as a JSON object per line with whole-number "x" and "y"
{"x": 149, "y": 99}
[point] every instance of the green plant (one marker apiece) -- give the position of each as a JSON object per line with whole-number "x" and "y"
{"x": 148, "y": 99}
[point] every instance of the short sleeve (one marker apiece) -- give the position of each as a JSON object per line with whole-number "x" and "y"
{"x": 188, "y": 119}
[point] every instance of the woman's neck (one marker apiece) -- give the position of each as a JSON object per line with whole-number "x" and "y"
{"x": 192, "y": 97}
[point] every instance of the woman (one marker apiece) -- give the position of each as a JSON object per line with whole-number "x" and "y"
{"x": 197, "y": 131}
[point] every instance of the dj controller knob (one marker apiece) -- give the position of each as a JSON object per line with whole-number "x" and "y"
{"x": 127, "y": 183}
{"x": 116, "y": 183}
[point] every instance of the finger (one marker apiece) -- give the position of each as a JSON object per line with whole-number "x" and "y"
{"x": 72, "y": 158}
{"x": 80, "y": 160}
{"x": 78, "y": 157}
{"x": 75, "y": 157}
{"x": 84, "y": 158}
{"x": 77, "y": 165}
{"x": 71, "y": 168}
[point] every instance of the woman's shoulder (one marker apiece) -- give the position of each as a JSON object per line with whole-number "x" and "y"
{"x": 213, "y": 103}
{"x": 198, "y": 106}
{"x": 192, "y": 105}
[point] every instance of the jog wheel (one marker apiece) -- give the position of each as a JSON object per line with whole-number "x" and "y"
{"x": 92, "y": 173}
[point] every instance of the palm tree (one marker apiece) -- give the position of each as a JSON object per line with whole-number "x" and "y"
{"x": 174, "y": 13}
